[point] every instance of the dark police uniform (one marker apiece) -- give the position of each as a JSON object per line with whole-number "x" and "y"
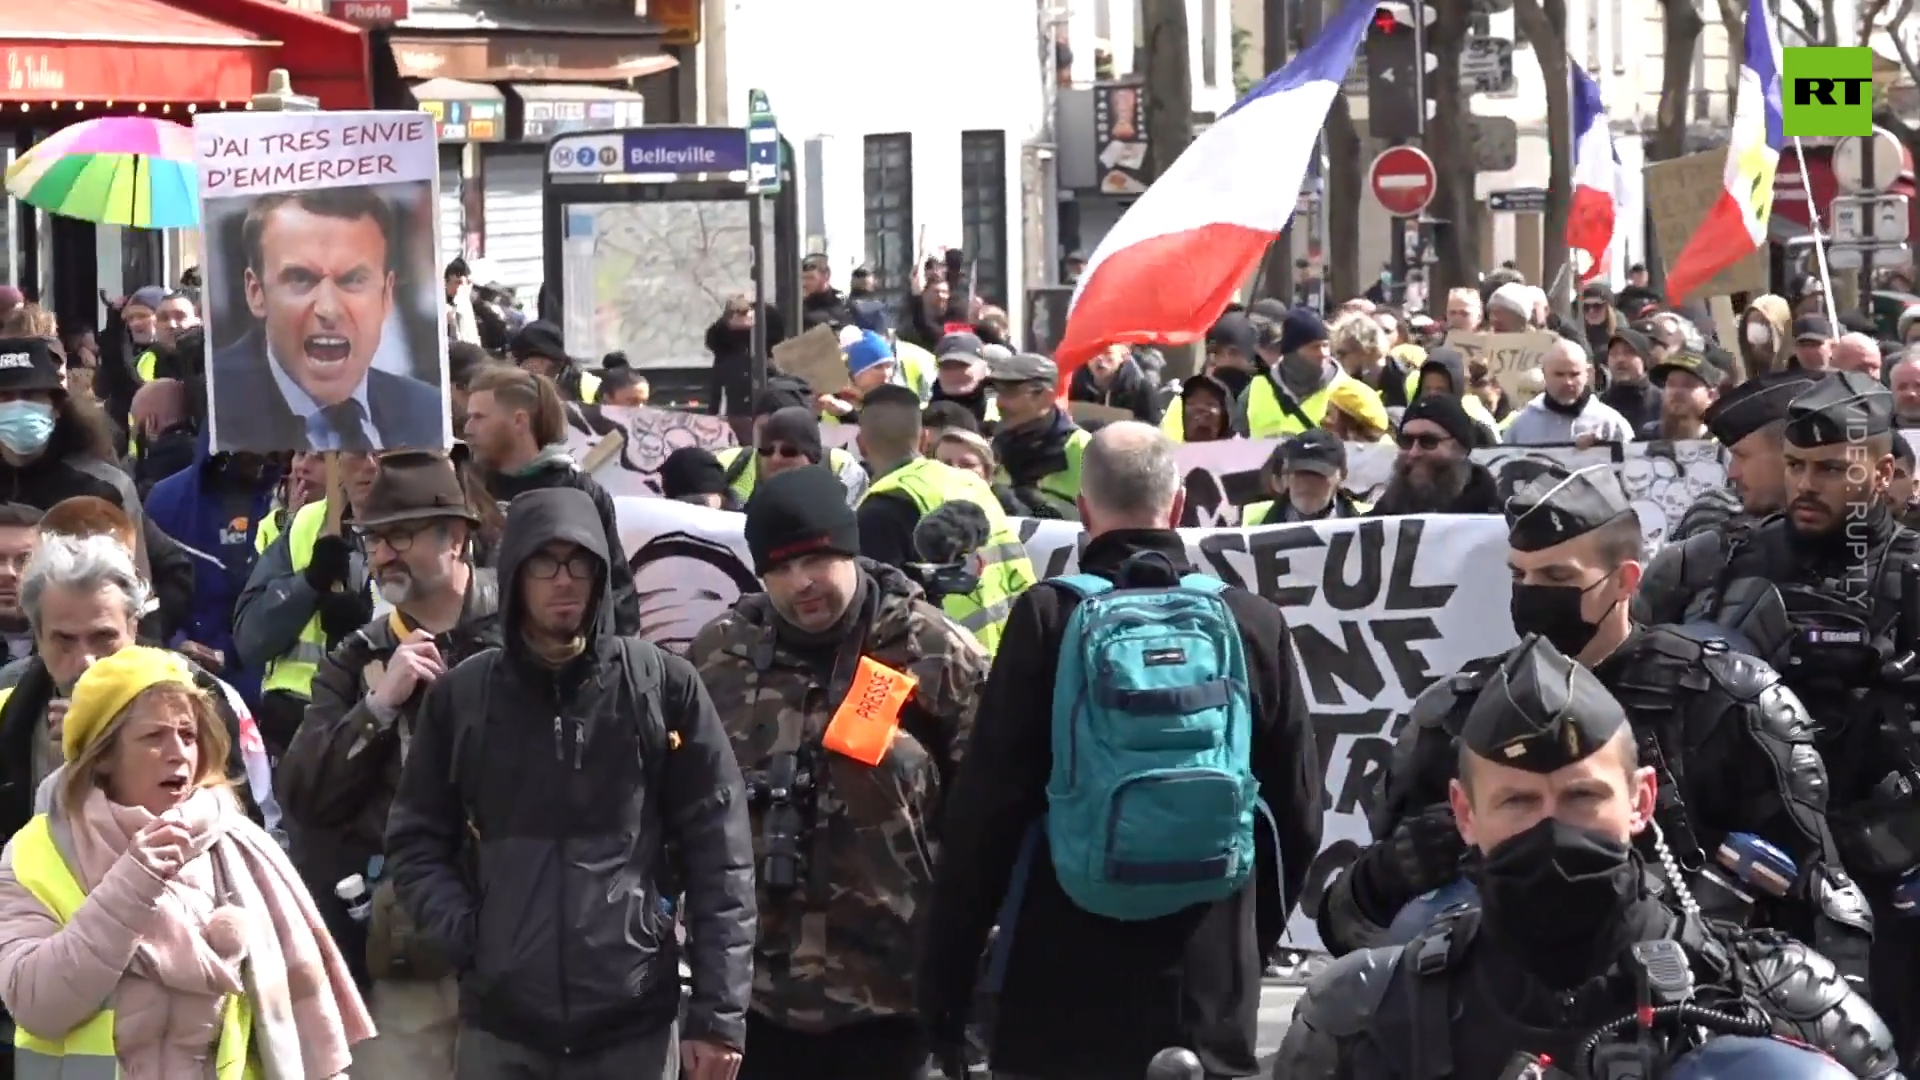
{"x": 1738, "y": 413}
{"x": 1841, "y": 598}
{"x": 1565, "y": 940}
{"x": 1732, "y": 747}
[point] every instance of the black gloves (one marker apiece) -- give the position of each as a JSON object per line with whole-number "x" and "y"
{"x": 341, "y": 613}
{"x": 1422, "y": 853}
{"x": 331, "y": 564}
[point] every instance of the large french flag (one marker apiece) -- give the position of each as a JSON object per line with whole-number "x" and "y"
{"x": 1598, "y": 183}
{"x": 1736, "y": 226}
{"x": 1168, "y": 267}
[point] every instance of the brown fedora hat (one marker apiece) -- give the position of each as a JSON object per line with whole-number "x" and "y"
{"x": 413, "y": 485}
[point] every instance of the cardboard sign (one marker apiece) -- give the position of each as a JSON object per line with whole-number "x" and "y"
{"x": 814, "y": 356}
{"x": 1508, "y": 356}
{"x": 864, "y": 725}
{"x": 1680, "y": 192}
{"x": 1085, "y": 412}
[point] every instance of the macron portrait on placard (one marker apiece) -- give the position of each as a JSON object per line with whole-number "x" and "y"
{"x": 322, "y": 282}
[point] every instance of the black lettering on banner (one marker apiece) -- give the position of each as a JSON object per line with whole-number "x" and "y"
{"x": 1204, "y": 500}
{"x": 1327, "y": 664}
{"x": 1397, "y": 638}
{"x": 1366, "y": 775}
{"x": 1329, "y": 728}
{"x": 1402, "y": 593}
{"x": 1215, "y": 547}
{"x": 1268, "y": 548}
{"x": 1356, "y": 595}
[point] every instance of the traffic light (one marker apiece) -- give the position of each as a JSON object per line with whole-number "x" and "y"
{"x": 1393, "y": 74}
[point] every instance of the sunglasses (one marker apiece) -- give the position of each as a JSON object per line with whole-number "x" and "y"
{"x": 780, "y": 451}
{"x": 1424, "y": 442}
{"x": 1596, "y": 305}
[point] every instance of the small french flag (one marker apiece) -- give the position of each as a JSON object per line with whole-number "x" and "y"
{"x": 1598, "y": 181}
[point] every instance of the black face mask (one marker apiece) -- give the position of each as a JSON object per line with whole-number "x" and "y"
{"x": 1556, "y": 883}
{"x": 1553, "y": 612}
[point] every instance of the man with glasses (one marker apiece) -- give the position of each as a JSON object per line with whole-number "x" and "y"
{"x": 1433, "y": 474}
{"x": 338, "y": 776}
{"x": 544, "y": 786}
{"x": 1039, "y": 445}
{"x": 786, "y": 435}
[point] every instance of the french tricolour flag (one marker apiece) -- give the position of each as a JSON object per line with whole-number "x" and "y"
{"x": 1169, "y": 266}
{"x": 1736, "y": 225}
{"x": 1598, "y": 182}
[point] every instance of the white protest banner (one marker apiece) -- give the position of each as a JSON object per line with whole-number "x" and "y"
{"x": 322, "y": 288}
{"x": 1508, "y": 356}
{"x": 650, "y": 435}
{"x": 1662, "y": 478}
{"x": 1374, "y": 607}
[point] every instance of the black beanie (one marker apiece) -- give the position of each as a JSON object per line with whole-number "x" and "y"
{"x": 1446, "y": 411}
{"x": 692, "y": 470}
{"x": 799, "y": 512}
{"x": 796, "y": 426}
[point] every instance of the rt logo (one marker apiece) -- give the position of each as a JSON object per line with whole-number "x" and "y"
{"x": 1827, "y": 92}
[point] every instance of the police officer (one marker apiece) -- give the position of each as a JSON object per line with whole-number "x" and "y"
{"x": 1571, "y": 935}
{"x": 849, "y": 701}
{"x": 907, "y": 488}
{"x": 1039, "y": 445}
{"x": 1748, "y": 421}
{"x": 1731, "y": 746}
{"x": 1835, "y": 566}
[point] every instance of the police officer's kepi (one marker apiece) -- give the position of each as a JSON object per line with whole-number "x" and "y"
{"x": 1559, "y": 506}
{"x": 1754, "y": 404}
{"x": 1841, "y": 408}
{"x": 1541, "y": 711}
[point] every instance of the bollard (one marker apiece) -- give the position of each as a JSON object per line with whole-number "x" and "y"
{"x": 1175, "y": 1063}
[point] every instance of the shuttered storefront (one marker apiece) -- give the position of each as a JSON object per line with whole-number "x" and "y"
{"x": 515, "y": 228}
{"x": 453, "y": 223}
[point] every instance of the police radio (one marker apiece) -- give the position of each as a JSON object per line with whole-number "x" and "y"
{"x": 1642, "y": 1044}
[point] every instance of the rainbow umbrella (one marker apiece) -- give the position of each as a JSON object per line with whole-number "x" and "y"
{"x": 117, "y": 170}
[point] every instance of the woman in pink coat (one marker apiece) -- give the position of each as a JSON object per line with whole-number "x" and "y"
{"x": 145, "y": 923}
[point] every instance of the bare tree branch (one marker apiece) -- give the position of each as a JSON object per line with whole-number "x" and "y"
{"x": 1810, "y": 27}
{"x": 1681, "y": 26}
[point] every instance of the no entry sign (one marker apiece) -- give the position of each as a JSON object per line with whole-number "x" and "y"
{"x": 1402, "y": 180}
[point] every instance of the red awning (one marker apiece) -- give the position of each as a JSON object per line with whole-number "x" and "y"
{"x": 326, "y": 57}
{"x": 140, "y": 51}
{"x": 1790, "y": 218}
{"x": 125, "y": 51}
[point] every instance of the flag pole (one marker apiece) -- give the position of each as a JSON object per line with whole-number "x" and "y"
{"x": 1819, "y": 237}
{"x": 1813, "y": 211}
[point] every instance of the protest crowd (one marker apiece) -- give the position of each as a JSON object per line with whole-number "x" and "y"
{"x": 390, "y": 693}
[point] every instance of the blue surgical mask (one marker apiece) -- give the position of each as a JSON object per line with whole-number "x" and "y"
{"x": 25, "y": 426}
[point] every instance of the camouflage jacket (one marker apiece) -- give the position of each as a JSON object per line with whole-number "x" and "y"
{"x": 841, "y": 946}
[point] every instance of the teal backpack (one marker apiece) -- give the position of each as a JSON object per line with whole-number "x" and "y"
{"x": 1152, "y": 799}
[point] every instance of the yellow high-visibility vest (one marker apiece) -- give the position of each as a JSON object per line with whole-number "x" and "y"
{"x": 1005, "y": 569}
{"x": 741, "y": 485}
{"x": 1065, "y": 484}
{"x": 87, "y": 1052}
{"x": 294, "y": 672}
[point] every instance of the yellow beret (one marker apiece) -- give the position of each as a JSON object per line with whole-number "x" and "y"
{"x": 110, "y": 684}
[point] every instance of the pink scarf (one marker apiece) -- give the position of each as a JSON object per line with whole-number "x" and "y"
{"x": 238, "y": 919}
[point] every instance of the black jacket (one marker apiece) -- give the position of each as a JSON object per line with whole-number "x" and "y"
{"x": 828, "y": 307}
{"x": 1130, "y": 390}
{"x": 339, "y": 773}
{"x": 1085, "y": 995}
{"x": 626, "y": 604}
{"x": 1480, "y": 496}
{"x": 563, "y": 944}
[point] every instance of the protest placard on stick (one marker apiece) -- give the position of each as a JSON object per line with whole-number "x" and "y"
{"x": 323, "y": 296}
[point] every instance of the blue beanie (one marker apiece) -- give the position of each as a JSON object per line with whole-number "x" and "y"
{"x": 148, "y": 297}
{"x": 865, "y": 351}
{"x": 1301, "y": 327}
